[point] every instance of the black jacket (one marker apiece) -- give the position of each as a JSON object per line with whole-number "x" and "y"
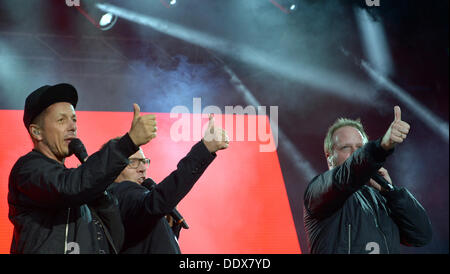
{"x": 52, "y": 207}
{"x": 143, "y": 209}
{"x": 344, "y": 215}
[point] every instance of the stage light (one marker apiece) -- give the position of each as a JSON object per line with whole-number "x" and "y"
{"x": 169, "y": 3}
{"x": 101, "y": 20}
{"x": 107, "y": 21}
{"x": 286, "y": 6}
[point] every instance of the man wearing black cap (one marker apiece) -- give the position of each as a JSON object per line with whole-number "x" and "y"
{"x": 59, "y": 210}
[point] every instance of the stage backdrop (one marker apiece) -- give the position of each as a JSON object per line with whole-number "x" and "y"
{"x": 239, "y": 205}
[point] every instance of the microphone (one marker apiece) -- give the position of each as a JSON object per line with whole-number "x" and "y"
{"x": 382, "y": 182}
{"x": 76, "y": 147}
{"x": 178, "y": 218}
{"x": 149, "y": 184}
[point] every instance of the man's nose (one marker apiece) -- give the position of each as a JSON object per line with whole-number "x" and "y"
{"x": 142, "y": 171}
{"x": 141, "y": 167}
{"x": 73, "y": 126}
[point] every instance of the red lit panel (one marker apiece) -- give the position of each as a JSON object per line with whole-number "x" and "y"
{"x": 239, "y": 205}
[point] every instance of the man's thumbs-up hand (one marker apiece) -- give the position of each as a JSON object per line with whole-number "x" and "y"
{"x": 215, "y": 138}
{"x": 143, "y": 127}
{"x": 397, "y": 131}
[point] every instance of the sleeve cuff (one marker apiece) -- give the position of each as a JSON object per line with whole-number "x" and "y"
{"x": 203, "y": 151}
{"x": 127, "y": 146}
{"x": 378, "y": 152}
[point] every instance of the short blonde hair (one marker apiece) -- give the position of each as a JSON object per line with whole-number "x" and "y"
{"x": 342, "y": 122}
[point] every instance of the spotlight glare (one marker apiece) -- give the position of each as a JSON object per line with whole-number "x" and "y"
{"x": 106, "y": 19}
{"x": 173, "y": 2}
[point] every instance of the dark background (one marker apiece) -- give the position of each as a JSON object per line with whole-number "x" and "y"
{"x": 310, "y": 67}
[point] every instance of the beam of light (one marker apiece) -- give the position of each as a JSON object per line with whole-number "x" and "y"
{"x": 428, "y": 117}
{"x": 380, "y": 66}
{"x": 299, "y": 162}
{"x": 87, "y": 16}
{"x": 285, "y": 6}
{"x": 276, "y": 4}
{"x": 289, "y": 148}
{"x": 324, "y": 80}
{"x": 374, "y": 40}
{"x": 11, "y": 78}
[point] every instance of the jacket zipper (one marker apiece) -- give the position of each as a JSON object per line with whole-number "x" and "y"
{"x": 382, "y": 233}
{"x": 349, "y": 238}
{"x": 379, "y": 229}
{"x": 67, "y": 231}
{"x": 385, "y": 241}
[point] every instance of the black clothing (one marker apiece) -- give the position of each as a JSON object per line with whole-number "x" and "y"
{"x": 143, "y": 210}
{"x": 344, "y": 215}
{"x": 52, "y": 207}
{"x": 163, "y": 239}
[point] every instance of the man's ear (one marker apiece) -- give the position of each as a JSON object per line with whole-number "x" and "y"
{"x": 330, "y": 160}
{"x": 35, "y": 132}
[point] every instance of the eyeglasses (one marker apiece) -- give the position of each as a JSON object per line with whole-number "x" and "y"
{"x": 135, "y": 162}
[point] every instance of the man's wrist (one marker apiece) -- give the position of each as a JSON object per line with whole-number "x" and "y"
{"x": 386, "y": 146}
{"x": 133, "y": 138}
{"x": 127, "y": 143}
{"x": 208, "y": 146}
{"x": 379, "y": 152}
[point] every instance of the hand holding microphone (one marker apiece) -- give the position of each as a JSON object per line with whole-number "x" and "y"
{"x": 179, "y": 220}
{"x": 77, "y": 147}
{"x": 381, "y": 180}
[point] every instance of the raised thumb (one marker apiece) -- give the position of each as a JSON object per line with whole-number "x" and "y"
{"x": 397, "y": 113}
{"x": 211, "y": 121}
{"x": 137, "y": 111}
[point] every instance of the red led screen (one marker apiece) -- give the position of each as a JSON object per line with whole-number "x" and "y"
{"x": 239, "y": 205}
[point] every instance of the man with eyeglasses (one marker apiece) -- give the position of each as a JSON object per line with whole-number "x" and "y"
{"x": 144, "y": 205}
{"x": 135, "y": 171}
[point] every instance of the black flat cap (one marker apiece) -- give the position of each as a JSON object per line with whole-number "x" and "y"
{"x": 45, "y": 96}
